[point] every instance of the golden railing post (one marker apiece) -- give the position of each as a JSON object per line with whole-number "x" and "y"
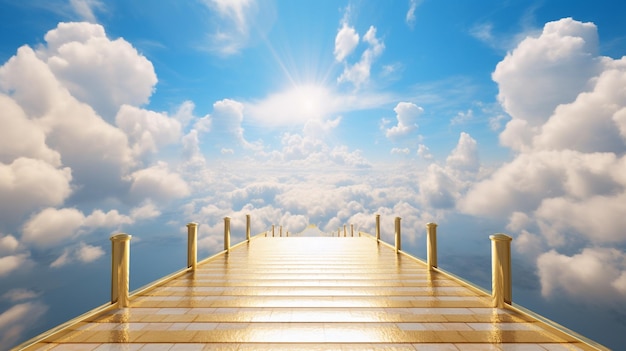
{"x": 339, "y": 232}
{"x": 192, "y": 245}
{"x": 398, "y": 235}
{"x": 431, "y": 245}
{"x": 273, "y": 230}
{"x": 120, "y": 269}
{"x": 345, "y": 233}
{"x": 227, "y": 234}
{"x": 377, "y": 227}
{"x": 501, "y": 270}
{"x": 281, "y": 231}
{"x": 248, "y": 227}
{"x": 351, "y": 229}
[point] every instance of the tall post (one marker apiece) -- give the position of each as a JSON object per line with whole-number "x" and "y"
{"x": 273, "y": 232}
{"x": 192, "y": 245}
{"x": 501, "y": 270}
{"x": 120, "y": 269}
{"x": 281, "y": 231}
{"x": 248, "y": 227}
{"x": 339, "y": 232}
{"x": 398, "y": 235}
{"x": 227, "y": 234}
{"x": 377, "y": 227}
{"x": 351, "y": 229}
{"x": 431, "y": 245}
{"x": 345, "y": 233}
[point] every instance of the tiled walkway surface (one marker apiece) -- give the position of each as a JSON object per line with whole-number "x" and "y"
{"x": 310, "y": 293}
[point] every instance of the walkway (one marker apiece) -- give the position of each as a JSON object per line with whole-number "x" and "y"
{"x": 311, "y": 293}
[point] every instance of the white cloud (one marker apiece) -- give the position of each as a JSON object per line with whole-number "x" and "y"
{"x": 15, "y": 320}
{"x": 8, "y": 244}
{"x": 147, "y": 130}
{"x": 462, "y": 117}
{"x": 62, "y": 260}
{"x": 410, "y": 14}
{"x": 87, "y": 253}
{"x": 564, "y": 187}
{"x": 145, "y": 211}
{"x": 559, "y": 65}
{"x": 103, "y": 73}
{"x": 21, "y": 137}
{"x": 464, "y": 157}
{"x": 345, "y": 42}
{"x": 594, "y": 272}
{"x": 15, "y": 295}
{"x": 399, "y": 151}
{"x": 424, "y": 152}
{"x": 226, "y": 120}
{"x": 31, "y": 184}
{"x": 158, "y": 183}
{"x": 359, "y": 73}
{"x": 103, "y": 156}
{"x": 51, "y": 226}
{"x": 236, "y": 22}
{"x": 85, "y": 8}
{"x": 10, "y": 263}
{"x": 406, "y": 115}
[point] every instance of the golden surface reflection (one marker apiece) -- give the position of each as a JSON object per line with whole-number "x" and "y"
{"x": 296, "y": 292}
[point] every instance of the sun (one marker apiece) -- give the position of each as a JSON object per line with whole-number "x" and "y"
{"x": 295, "y": 105}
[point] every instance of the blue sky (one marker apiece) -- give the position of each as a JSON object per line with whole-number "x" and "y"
{"x": 484, "y": 116}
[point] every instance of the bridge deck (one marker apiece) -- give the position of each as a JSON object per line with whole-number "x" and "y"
{"x": 310, "y": 293}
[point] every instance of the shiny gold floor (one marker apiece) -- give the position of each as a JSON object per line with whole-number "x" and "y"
{"x": 310, "y": 293}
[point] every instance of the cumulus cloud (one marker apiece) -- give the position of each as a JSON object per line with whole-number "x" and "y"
{"x": 10, "y": 263}
{"x": 31, "y": 184}
{"x": 345, "y": 42}
{"x": 21, "y": 137}
{"x": 406, "y": 115}
{"x": 8, "y": 244}
{"x": 158, "y": 183}
{"x": 101, "y": 72}
{"x": 52, "y": 226}
{"x": 558, "y": 64}
{"x": 15, "y": 320}
{"x": 464, "y": 157}
{"x": 594, "y": 272}
{"x": 564, "y": 189}
{"x": 359, "y": 73}
{"x": 147, "y": 130}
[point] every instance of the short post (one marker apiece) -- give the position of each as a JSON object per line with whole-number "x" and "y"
{"x": 120, "y": 269}
{"x": 227, "y": 234}
{"x": 398, "y": 235}
{"x": 431, "y": 245}
{"x": 248, "y": 227}
{"x": 339, "y": 232}
{"x": 501, "y": 270}
{"x": 377, "y": 227}
{"x": 345, "y": 233}
{"x": 273, "y": 232}
{"x": 351, "y": 229}
{"x": 281, "y": 231}
{"x": 192, "y": 245}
